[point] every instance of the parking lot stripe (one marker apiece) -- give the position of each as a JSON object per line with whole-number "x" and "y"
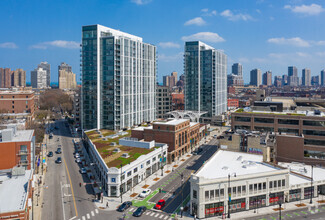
{"x": 152, "y": 214}
{"x": 296, "y": 214}
{"x": 92, "y": 213}
{"x": 96, "y": 210}
{"x": 156, "y": 215}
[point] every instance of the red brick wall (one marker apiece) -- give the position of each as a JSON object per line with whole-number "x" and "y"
{"x": 9, "y": 156}
{"x": 16, "y": 103}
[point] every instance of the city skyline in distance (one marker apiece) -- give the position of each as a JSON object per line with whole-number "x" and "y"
{"x": 258, "y": 34}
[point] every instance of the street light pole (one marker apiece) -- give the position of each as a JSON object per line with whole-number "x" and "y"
{"x": 121, "y": 185}
{"x": 162, "y": 160}
{"x": 311, "y": 183}
{"x": 280, "y": 210}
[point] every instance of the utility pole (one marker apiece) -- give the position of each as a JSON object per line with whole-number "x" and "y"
{"x": 311, "y": 183}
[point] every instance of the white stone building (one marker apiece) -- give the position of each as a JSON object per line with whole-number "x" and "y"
{"x": 244, "y": 182}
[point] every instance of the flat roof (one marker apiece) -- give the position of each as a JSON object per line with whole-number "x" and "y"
{"x": 5, "y": 92}
{"x": 171, "y": 122}
{"x": 223, "y": 163}
{"x": 21, "y": 135}
{"x": 141, "y": 128}
{"x": 13, "y": 192}
{"x": 303, "y": 169}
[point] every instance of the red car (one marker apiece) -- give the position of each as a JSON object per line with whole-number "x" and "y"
{"x": 161, "y": 203}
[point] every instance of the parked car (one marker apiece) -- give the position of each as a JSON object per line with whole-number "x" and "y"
{"x": 124, "y": 206}
{"x": 50, "y": 154}
{"x": 78, "y": 160}
{"x": 160, "y": 204}
{"x": 59, "y": 150}
{"x": 83, "y": 170}
{"x": 58, "y": 160}
{"x": 139, "y": 211}
{"x": 77, "y": 155}
{"x": 145, "y": 193}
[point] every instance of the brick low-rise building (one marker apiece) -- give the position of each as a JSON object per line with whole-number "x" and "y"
{"x": 180, "y": 135}
{"x": 17, "y": 148}
{"x": 300, "y": 136}
{"x": 233, "y": 103}
{"x": 17, "y": 102}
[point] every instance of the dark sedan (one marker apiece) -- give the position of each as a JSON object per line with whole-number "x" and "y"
{"x": 139, "y": 211}
{"x": 50, "y": 154}
{"x": 124, "y": 206}
{"x": 58, "y": 160}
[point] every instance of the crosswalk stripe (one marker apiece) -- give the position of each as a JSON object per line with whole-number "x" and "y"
{"x": 156, "y": 215}
{"x": 161, "y": 216}
{"x": 96, "y": 210}
{"x": 304, "y": 212}
{"x": 131, "y": 209}
{"x": 83, "y": 218}
{"x": 152, "y": 214}
{"x": 166, "y": 217}
{"x": 92, "y": 213}
{"x": 88, "y": 216}
{"x": 289, "y": 215}
{"x": 147, "y": 213}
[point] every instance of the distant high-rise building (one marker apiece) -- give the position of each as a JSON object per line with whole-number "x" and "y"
{"x": 182, "y": 77}
{"x": 237, "y": 69}
{"x": 293, "y": 79}
{"x": 19, "y": 78}
{"x": 67, "y": 79}
{"x": 236, "y": 77}
{"x": 39, "y": 78}
{"x": 278, "y": 81}
{"x": 47, "y": 67}
{"x": 5, "y": 78}
{"x": 315, "y": 81}
{"x": 163, "y": 101}
{"x": 267, "y": 78}
{"x": 256, "y": 77}
{"x": 284, "y": 80}
{"x": 306, "y": 77}
{"x": 322, "y": 77}
{"x": 118, "y": 79}
{"x": 205, "y": 71}
{"x": 171, "y": 80}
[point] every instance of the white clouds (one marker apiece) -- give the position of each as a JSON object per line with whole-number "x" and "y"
{"x": 170, "y": 58}
{"x": 204, "y": 36}
{"x": 235, "y": 17}
{"x": 8, "y": 45}
{"x": 206, "y": 12}
{"x": 310, "y": 10}
{"x": 295, "y": 41}
{"x": 169, "y": 45}
{"x": 57, "y": 43}
{"x": 321, "y": 43}
{"x": 321, "y": 54}
{"x": 141, "y": 2}
{"x": 195, "y": 21}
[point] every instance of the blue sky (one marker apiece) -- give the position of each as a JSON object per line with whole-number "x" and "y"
{"x": 265, "y": 34}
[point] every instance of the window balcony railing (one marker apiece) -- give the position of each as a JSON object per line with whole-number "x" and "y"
{"x": 23, "y": 162}
{"x": 23, "y": 152}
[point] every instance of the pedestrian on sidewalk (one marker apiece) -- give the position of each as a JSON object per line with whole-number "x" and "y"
{"x": 106, "y": 204}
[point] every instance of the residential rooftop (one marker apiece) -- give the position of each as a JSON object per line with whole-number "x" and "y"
{"x": 292, "y": 113}
{"x": 13, "y": 92}
{"x": 18, "y": 136}
{"x": 171, "y": 121}
{"x": 13, "y": 191}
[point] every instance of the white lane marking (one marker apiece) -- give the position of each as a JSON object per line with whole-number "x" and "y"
{"x": 152, "y": 214}
{"x": 88, "y": 216}
{"x": 92, "y": 213}
{"x": 161, "y": 216}
{"x": 73, "y": 217}
{"x": 156, "y": 215}
{"x": 62, "y": 201}
{"x": 96, "y": 210}
{"x": 83, "y": 218}
{"x": 147, "y": 213}
{"x": 166, "y": 217}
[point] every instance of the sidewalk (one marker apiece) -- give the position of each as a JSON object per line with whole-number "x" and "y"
{"x": 262, "y": 212}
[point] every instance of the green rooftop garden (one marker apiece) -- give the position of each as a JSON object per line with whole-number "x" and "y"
{"x": 105, "y": 149}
